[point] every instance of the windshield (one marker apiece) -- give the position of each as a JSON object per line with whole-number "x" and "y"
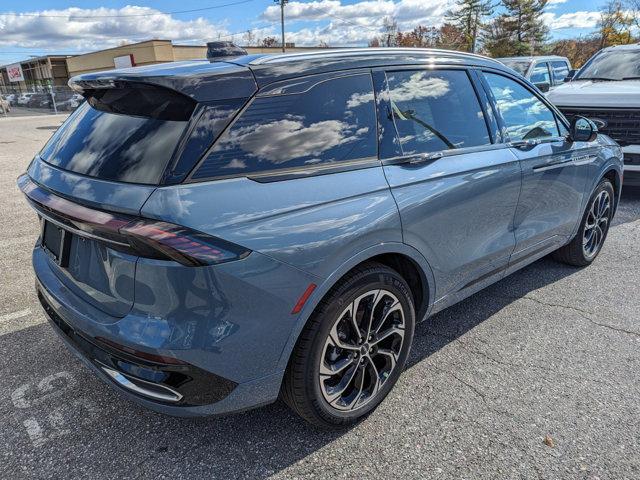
{"x": 612, "y": 65}
{"x": 520, "y": 66}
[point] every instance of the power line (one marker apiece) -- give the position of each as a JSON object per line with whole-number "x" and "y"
{"x": 282, "y": 3}
{"x": 71, "y": 15}
{"x": 41, "y": 53}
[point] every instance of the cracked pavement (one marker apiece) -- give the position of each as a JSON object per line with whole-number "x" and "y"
{"x": 549, "y": 351}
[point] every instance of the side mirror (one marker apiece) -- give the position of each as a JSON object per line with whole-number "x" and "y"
{"x": 570, "y": 75}
{"x": 543, "y": 86}
{"x": 583, "y": 130}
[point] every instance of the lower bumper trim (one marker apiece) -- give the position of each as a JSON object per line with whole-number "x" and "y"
{"x": 141, "y": 387}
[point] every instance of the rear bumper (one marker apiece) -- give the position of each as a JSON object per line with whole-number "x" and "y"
{"x": 178, "y": 366}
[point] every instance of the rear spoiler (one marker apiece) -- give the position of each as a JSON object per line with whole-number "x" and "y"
{"x": 199, "y": 80}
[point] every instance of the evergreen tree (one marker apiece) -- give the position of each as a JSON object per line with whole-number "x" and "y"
{"x": 519, "y": 30}
{"x": 468, "y": 16}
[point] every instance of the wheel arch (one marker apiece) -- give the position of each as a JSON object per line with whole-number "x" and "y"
{"x": 399, "y": 256}
{"x": 614, "y": 176}
{"x": 612, "y": 170}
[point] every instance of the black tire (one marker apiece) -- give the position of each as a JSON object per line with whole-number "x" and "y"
{"x": 301, "y": 388}
{"x": 574, "y": 253}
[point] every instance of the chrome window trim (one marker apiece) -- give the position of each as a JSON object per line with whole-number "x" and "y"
{"x": 442, "y": 154}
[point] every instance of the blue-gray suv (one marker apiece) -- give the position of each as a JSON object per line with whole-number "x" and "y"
{"x": 216, "y": 235}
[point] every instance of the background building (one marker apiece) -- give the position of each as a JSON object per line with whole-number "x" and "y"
{"x": 150, "y": 52}
{"x": 39, "y": 73}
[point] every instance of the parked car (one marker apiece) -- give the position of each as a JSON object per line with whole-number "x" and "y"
{"x": 278, "y": 227}
{"x": 40, "y": 100}
{"x": 5, "y": 106}
{"x": 607, "y": 90}
{"x": 545, "y": 72}
{"x": 70, "y": 103}
{"x": 24, "y": 98}
{"x": 11, "y": 98}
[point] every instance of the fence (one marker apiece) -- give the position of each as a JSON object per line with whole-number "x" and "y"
{"x": 42, "y": 100}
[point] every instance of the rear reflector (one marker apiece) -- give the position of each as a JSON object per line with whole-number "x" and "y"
{"x": 137, "y": 236}
{"x": 303, "y": 299}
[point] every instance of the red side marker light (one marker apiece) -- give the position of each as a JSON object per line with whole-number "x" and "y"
{"x": 303, "y": 299}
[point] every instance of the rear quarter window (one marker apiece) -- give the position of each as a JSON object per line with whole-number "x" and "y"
{"x": 113, "y": 146}
{"x": 331, "y": 122}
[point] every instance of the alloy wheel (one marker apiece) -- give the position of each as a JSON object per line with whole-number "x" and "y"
{"x": 597, "y": 224}
{"x": 362, "y": 350}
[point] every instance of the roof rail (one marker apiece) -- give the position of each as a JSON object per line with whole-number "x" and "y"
{"x": 356, "y": 52}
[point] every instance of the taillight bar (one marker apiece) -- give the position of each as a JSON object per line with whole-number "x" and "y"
{"x": 138, "y": 236}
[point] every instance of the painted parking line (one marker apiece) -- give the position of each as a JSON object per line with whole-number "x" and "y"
{"x": 13, "y": 315}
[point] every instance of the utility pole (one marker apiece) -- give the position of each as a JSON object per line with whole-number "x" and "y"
{"x": 282, "y": 4}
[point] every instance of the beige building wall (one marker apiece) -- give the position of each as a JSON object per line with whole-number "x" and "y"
{"x": 153, "y": 51}
{"x": 144, "y": 53}
{"x": 188, "y": 52}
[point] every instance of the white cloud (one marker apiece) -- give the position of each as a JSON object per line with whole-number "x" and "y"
{"x": 571, "y": 20}
{"x": 67, "y": 29}
{"x": 337, "y": 24}
{"x": 356, "y": 23}
{"x": 553, "y": 4}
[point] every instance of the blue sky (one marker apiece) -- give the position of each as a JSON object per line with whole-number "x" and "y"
{"x": 59, "y": 26}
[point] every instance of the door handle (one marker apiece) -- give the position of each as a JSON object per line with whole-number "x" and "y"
{"x": 523, "y": 144}
{"x": 425, "y": 157}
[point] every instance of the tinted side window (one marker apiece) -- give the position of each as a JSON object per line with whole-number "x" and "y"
{"x": 331, "y": 122}
{"x": 524, "y": 115}
{"x": 540, "y": 74}
{"x": 560, "y": 70}
{"x": 436, "y": 110}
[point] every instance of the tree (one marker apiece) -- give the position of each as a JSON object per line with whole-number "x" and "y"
{"x": 248, "y": 38}
{"x": 520, "y": 30}
{"x": 577, "y": 50}
{"x": 421, "y": 36}
{"x": 270, "y": 42}
{"x": 450, "y": 37}
{"x": 615, "y": 24}
{"x": 389, "y": 32}
{"x": 447, "y": 36}
{"x": 469, "y": 16}
{"x": 633, "y": 9}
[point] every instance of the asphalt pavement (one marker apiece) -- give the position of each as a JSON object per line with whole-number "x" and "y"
{"x": 537, "y": 377}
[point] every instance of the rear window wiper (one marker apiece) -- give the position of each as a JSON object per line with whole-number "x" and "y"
{"x": 630, "y": 78}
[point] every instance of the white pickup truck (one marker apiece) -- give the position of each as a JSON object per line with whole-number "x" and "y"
{"x": 607, "y": 91}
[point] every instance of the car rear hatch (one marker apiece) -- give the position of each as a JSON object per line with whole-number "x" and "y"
{"x": 139, "y": 128}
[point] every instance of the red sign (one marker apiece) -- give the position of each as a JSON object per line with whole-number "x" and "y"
{"x": 15, "y": 73}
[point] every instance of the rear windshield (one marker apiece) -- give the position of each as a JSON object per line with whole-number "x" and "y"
{"x": 113, "y": 146}
{"x": 520, "y": 66}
